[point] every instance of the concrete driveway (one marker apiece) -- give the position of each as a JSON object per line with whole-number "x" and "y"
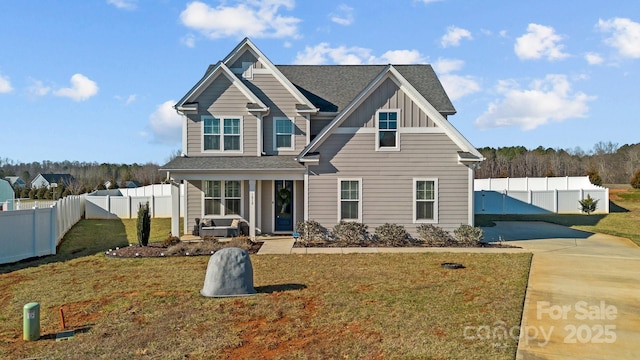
{"x": 583, "y": 296}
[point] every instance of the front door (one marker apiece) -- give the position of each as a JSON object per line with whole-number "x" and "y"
{"x": 283, "y": 205}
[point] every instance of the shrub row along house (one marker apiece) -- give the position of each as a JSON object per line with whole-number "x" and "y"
{"x": 279, "y": 144}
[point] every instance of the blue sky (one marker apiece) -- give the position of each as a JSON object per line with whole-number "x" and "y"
{"x": 95, "y": 80}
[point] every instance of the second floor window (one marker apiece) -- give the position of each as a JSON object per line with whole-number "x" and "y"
{"x": 221, "y": 134}
{"x": 387, "y": 129}
{"x": 283, "y": 134}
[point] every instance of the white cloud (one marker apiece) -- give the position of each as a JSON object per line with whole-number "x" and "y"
{"x": 593, "y": 58}
{"x": 166, "y": 124}
{"x": 81, "y": 88}
{"x": 38, "y": 88}
{"x": 188, "y": 40}
{"x": 445, "y": 66}
{"x": 428, "y": 1}
{"x": 454, "y": 35}
{"x": 540, "y": 42}
{"x": 343, "y": 15}
{"x": 323, "y": 54}
{"x": 455, "y": 85}
{"x": 625, "y": 36}
{"x": 124, "y": 4}
{"x": 342, "y": 55}
{"x": 548, "y": 99}
{"x": 399, "y": 57}
{"x": 131, "y": 98}
{"x": 257, "y": 19}
{"x": 5, "y": 85}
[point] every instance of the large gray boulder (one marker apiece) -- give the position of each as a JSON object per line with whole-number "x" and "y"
{"x": 229, "y": 273}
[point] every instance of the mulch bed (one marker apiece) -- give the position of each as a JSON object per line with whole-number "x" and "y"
{"x": 158, "y": 250}
{"x": 329, "y": 244}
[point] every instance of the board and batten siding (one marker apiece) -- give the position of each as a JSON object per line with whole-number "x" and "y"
{"x": 221, "y": 98}
{"x": 387, "y": 179}
{"x": 281, "y": 104}
{"x": 388, "y": 96}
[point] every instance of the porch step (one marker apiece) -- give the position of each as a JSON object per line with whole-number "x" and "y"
{"x": 279, "y": 246}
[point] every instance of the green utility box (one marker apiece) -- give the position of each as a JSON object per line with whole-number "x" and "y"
{"x": 31, "y": 322}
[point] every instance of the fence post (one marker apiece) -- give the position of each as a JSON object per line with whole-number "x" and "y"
{"x": 34, "y": 242}
{"x": 152, "y": 206}
{"x": 555, "y": 201}
{"x": 53, "y": 234}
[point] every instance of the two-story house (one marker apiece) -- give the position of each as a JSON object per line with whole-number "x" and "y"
{"x": 279, "y": 144}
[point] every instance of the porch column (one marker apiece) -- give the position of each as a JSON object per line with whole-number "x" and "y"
{"x": 175, "y": 208}
{"x": 252, "y": 209}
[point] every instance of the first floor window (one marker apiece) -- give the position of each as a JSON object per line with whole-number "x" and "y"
{"x": 222, "y": 197}
{"x": 425, "y": 200}
{"x": 350, "y": 199}
{"x": 221, "y": 134}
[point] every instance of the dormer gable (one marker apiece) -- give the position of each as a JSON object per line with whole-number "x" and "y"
{"x": 246, "y": 59}
{"x": 390, "y": 73}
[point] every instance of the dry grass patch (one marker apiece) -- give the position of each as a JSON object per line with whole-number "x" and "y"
{"x": 309, "y": 307}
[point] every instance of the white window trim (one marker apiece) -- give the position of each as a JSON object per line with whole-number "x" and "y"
{"x": 275, "y": 135}
{"x": 221, "y": 118}
{"x": 435, "y": 202}
{"x": 359, "y": 180}
{"x": 388, "y": 148}
{"x": 222, "y": 199}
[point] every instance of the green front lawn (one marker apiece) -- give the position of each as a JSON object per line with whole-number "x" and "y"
{"x": 308, "y": 306}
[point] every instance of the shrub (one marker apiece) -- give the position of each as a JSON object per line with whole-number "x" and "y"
{"x": 392, "y": 234}
{"x": 170, "y": 241}
{"x": 311, "y": 230}
{"x": 351, "y": 232}
{"x": 433, "y": 235}
{"x": 635, "y": 180}
{"x": 594, "y": 176}
{"x": 467, "y": 235}
{"x": 143, "y": 225}
{"x": 588, "y": 204}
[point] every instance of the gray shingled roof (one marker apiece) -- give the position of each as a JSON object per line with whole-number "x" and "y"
{"x": 56, "y": 178}
{"x": 252, "y": 163}
{"x": 332, "y": 87}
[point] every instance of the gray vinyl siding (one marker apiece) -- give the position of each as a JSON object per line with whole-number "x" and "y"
{"x": 266, "y": 200}
{"x": 281, "y": 104}
{"x": 387, "y": 179}
{"x": 222, "y": 99}
{"x": 193, "y": 204}
{"x": 298, "y": 206}
{"x": 318, "y": 124}
{"x": 246, "y": 57}
{"x": 388, "y": 96}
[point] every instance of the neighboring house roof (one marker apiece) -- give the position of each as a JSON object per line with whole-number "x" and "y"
{"x": 56, "y": 178}
{"x": 234, "y": 163}
{"x": 15, "y": 181}
{"x": 332, "y": 87}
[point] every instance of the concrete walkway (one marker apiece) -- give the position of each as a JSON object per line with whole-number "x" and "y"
{"x": 583, "y": 296}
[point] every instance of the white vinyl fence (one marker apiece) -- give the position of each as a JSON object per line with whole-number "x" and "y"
{"x": 37, "y": 231}
{"x": 537, "y": 195}
{"x": 126, "y": 206}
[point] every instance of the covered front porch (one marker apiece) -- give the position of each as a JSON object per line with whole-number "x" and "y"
{"x": 267, "y": 192}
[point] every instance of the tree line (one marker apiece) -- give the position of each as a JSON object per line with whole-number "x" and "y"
{"x": 606, "y": 163}
{"x": 89, "y": 176}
